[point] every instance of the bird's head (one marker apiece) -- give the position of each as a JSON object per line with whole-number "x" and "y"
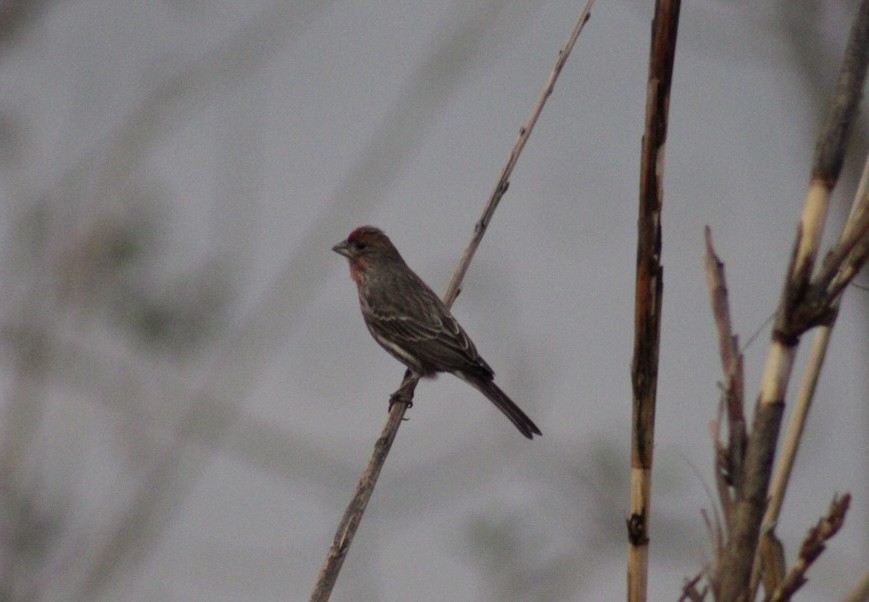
{"x": 364, "y": 246}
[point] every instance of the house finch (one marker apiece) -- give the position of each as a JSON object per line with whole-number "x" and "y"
{"x": 411, "y": 322}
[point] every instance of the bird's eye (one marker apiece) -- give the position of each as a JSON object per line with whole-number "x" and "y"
{"x": 359, "y": 245}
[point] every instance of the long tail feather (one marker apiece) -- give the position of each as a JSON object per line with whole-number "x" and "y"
{"x": 488, "y": 388}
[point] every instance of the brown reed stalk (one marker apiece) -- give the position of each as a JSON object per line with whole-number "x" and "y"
{"x": 648, "y": 293}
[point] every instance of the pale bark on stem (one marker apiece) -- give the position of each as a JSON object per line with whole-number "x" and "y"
{"x": 802, "y": 405}
{"x": 860, "y": 592}
{"x": 847, "y": 257}
{"x": 346, "y": 531}
{"x": 803, "y": 306}
{"x": 649, "y": 290}
{"x": 805, "y": 395}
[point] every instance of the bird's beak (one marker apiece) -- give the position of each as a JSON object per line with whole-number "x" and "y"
{"x": 342, "y": 248}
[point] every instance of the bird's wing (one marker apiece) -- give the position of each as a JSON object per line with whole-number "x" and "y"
{"x": 421, "y": 325}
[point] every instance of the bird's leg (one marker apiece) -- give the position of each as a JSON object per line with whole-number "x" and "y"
{"x": 403, "y": 394}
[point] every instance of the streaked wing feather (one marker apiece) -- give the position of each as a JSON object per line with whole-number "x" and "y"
{"x": 435, "y": 338}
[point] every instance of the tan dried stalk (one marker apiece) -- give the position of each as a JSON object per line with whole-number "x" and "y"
{"x": 860, "y": 593}
{"x": 804, "y": 396}
{"x": 805, "y": 303}
{"x": 649, "y": 290}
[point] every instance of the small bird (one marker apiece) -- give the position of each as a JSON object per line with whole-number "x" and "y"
{"x": 411, "y": 322}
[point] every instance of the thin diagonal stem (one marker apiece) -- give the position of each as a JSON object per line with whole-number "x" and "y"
{"x": 365, "y": 487}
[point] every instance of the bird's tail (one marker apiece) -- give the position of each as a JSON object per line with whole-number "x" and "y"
{"x": 488, "y": 388}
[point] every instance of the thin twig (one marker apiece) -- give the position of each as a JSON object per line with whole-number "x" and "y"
{"x": 649, "y": 290}
{"x": 728, "y": 348}
{"x": 365, "y": 487}
{"x": 504, "y": 180}
{"x": 729, "y": 459}
{"x": 353, "y": 515}
{"x": 690, "y": 592}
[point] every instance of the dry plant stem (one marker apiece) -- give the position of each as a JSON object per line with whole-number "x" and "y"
{"x": 690, "y": 592}
{"x": 860, "y": 593}
{"x": 649, "y": 288}
{"x": 813, "y": 546}
{"x": 716, "y": 535}
{"x": 850, "y": 254}
{"x": 353, "y": 515}
{"x": 729, "y": 460}
{"x": 791, "y": 322}
{"x": 793, "y": 436}
{"x": 524, "y": 133}
{"x": 365, "y": 487}
{"x": 845, "y": 259}
{"x": 772, "y": 554}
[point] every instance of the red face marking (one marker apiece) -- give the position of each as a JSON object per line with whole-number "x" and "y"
{"x": 358, "y": 266}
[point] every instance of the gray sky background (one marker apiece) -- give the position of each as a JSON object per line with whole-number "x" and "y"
{"x": 190, "y": 392}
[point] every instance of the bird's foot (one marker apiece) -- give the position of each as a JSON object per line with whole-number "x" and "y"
{"x": 404, "y": 394}
{"x": 400, "y": 396}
